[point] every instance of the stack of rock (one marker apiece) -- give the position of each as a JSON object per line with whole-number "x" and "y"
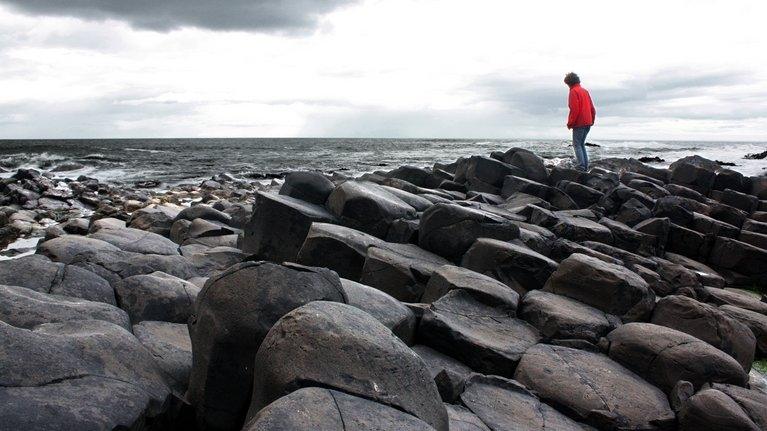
{"x": 492, "y": 293}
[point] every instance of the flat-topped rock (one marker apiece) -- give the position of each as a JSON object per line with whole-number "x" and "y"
{"x": 328, "y": 410}
{"x": 26, "y": 308}
{"x": 756, "y": 322}
{"x": 449, "y": 230}
{"x": 487, "y": 339}
{"x": 39, "y": 273}
{"x": 559, "y": 317}
{"x": 279, "y": 224}
{"x": 137, "y": 241}
{"x": 594, "y": 388}
{"x": 65, "y": 248}
{"x": 113, "y": 266}
{"x": 367, "y": 207}
{"x": 156, "y": 296}
{"x": 581, "y": 229}
{"x": 608, "y": 287}
{"x": 312, "y": 187}
{"x": 485, "y": 289}
{"x": 515, "y": 265}
{"x": 504, "y": 404}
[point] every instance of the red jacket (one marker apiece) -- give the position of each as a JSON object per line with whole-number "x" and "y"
{"x": 582, "y": 112}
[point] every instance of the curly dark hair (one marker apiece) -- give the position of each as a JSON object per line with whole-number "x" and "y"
{"x": 572, "y": 79}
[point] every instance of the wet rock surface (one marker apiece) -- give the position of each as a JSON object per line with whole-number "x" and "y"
{"x": 627, "y": 297}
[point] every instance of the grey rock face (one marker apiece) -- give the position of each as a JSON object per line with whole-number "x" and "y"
{"x": 485, "y": 338}
{"x": 485, "y": 289}
{"x": 38, "y": 273}
{"x": 449, "y": 230}
{"x": 515, "y": 265}
{"x": 312, "y": 187}
{"x": 329, "y": 410}
{"x": 384, "y": 308}
{"x": 87, "y": 375}
{"x": 156, "y": 296}
{"x": 233, "y": 313}
{"x": 367, "y": 207}
{"x": 610, "y": 288}
{"x": 664, "y": 356}
{"x": 137, "y": 241}
{"x": 279, "y": 224}
{"x": 171, "y": 347}
{"x": 26, "y": 308}
{"x": 339, "y": 347}
{"x": 559, "y": 317}
{"x": 709, "y": 324}
{"x": 594, "y": 388}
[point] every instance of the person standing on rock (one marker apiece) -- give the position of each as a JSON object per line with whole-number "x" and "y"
{"x": 581, "y": 118}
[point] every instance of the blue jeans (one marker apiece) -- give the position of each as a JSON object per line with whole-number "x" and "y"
{"x": 579, "y": 145}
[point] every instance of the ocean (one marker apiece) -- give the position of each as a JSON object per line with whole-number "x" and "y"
{"x": 175, "y": 161}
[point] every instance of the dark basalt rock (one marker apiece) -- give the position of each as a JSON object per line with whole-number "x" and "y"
{"x": 483, "y": 288}
{"x": 527, "y": 161}
{"x": 26, "y": 308}
{"x": 233, "y": 313}
{"x": 581, "y": 229}
{"x": 738, "y": 256}
{"x": 171, "y": 347}
{"x": 339, "y": 248}
{"x": 156, "y": 296}
{"x": 559, "y": 317}
{"x": 65, "y": 248}
{"x": 312, "y": 187}
{"x": 593, "y": 388}
{"x": 462, "y": 419}
{"x": 709, "y": 324}
{"x": 367, "y": 207}
{"x": 756, "y": 322}
{"x": 619, "y": 291}
{"x": 278, "y": 226}
{"x": 487, "y": 339}
{"x": 329, "y": 410}
{"x": 664, "y": 356}
{"x": 584, "y": 196}
{"x": 649, "y": 188}
{"x": 38, "y": 273}
{"x": 339, "y": 347}
{"x": 629, "y": 239}
{"x": 384, "y": 308}
{"x": 449, "y": 374}
{"x": 710, "y": 410}
{"x": 739, "y": 200}
{"x": 204, "y": 212}
{"x": 87, "y": 374}
{"x": 505, "y": 404}
{"x": 449, "y": 230}
{"x": 517, "y": 266}
{"x": 688, "y": 242}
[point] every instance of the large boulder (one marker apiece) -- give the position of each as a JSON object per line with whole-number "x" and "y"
{"x": 26, "y": 308}
{"x": 113, "y": 266}
{"x": 204, "y": 212}
{"x": 329, "y": 410}
{"x": 738, "y": 256}
{"x": 153, "y": 218}
{"x": 65, "y": 248}
{"x": 713, "y": 410}
{"x": 233, "y": 313}
{"x": 756, "y": 322}
{"x": 339, "y": 248}
{"x": 486, "y": 174}
{"x": 171, "y": 347}
{"x": 84, "y": 375}
{"x": 39, "y": 273}
{"x": 559, "y": 317}
{"x": 593, "y": 388}
{"x": 581, "y": 229}
{"x": 504, "y": 404}
{"x": 367, "y": 207}
{"x": 312, "y": 187}
{"x": 515, "y": 265}
{"x": 608, "y": 287}
{"x": 384, "y": 308}
{"x": 630, "y": 239}
{"x": 137, "y": 241}
{"x": 688, "y": 242}
{"x": 339, "y": 347}
{"x": 485, "y": 289}
{"x": 709, "y": 324}
{"x": 584, "y": 196}
{"x": 462, "y": 419}
{"x": 736, "y": 298}
{"x": 530, "y": 163}
{"x": 694, "y": 172}
{"x": 665, "y": 356}
{"x": 400, "y": 275}
{"x": 485, "y": 338}
{"x": 279, "y": 225}
{"x": 156, "y": 296}
{"x": 449, "y": 230}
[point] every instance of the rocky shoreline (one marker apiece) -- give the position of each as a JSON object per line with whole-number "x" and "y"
{"x": 492, "y": 293}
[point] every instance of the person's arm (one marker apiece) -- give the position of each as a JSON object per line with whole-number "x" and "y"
{"x": 593, "y": 110}
{"x": 575, "y": 106}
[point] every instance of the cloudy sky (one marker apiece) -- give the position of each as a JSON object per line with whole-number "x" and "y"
{"x": 667, "y": 69}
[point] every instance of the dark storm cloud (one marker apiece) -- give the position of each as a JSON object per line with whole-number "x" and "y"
{"x": 656, "y": 95}
{"x": 163, "y": 15}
